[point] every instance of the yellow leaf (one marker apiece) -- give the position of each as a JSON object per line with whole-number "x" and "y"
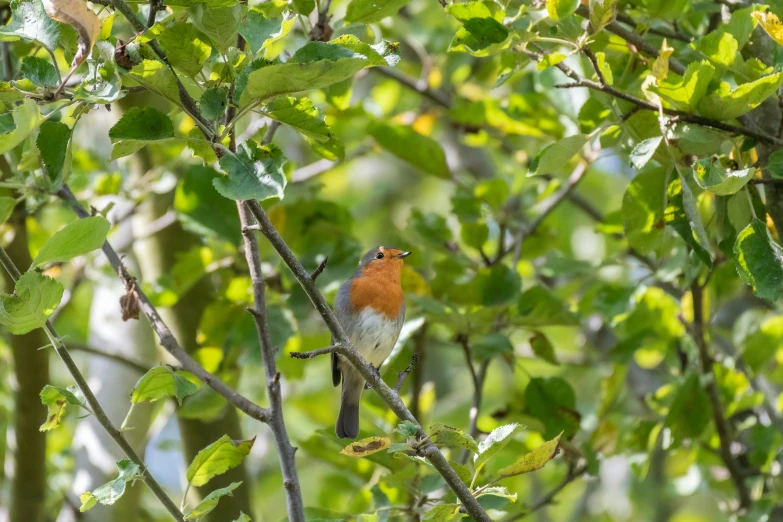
{"x": 88, "y": 501}
{"x": 534, "y": 460}
{"x": 660, "y": 68}
{"x": 771, "y": 24}
{"x": 76, "y": 14}
{"x": 368, "y": 446}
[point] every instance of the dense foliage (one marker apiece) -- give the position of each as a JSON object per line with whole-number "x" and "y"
{"x": 593, "y": 193}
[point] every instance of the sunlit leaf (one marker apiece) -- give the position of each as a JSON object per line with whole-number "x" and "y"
{"x": 161, "y": 382}
{"x": 365, "y": 447}
{"x": 217, "y": 458}
{"x": 534, "y": 460}
{"x": 210, "y": 502}
{"x": 56, "y": 400}
{"x": 79, "y": 238}
{"x": 34, "y": 299}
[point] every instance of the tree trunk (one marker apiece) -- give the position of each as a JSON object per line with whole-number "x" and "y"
{"x": 28, "y": 489}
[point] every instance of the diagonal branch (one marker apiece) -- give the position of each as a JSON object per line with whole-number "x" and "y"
{"x": 95, "y": 406}
{"x": 167, "y": 339}
{"x": 392, "y": 398}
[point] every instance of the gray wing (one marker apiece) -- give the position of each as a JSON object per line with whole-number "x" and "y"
{"x": 342, "y": 311}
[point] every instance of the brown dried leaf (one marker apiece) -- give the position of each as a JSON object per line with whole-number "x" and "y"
{"x": 76, "y": 14}
{"x": 368, "y": 446}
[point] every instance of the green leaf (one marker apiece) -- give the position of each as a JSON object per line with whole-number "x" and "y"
{"x": 217, "y": 458}
{"x": 728, "y": 103}
{"x": 39, "y": 71}
{"x": 261, "y": 32}
{"x": 220, "y": 24}
{"x": 186, "y": 47}
{"x": 300, "y": 114}
{"x": 683, "y": 216}
{"x": 431, "y": 227}
{"x": 775, "y": 164}
{"x": 142, "y": 123}
{"x": 495, "y": 441}
{"x": 719, "y": 47}
{"x": 7, "y": 123}
{"x": 317, "y": 65}
{"x": 201, "y": 209}
{"x": 371, "y": 11}
{"x": 539, "y": 307}
{"x": 474, "y": 234}
{"x": 88, "y": 501}
{"x": 441, "y": 513}
{"x": 711, "y": 175}
{"x": 482, "y": 32}
{"x": 34, "y": 299}
{"x": 213, "y": 103}
{"x": 553, "y": 402}
{"x": 79, "y": 238}
{"x": 56, "y": 400}
{"x": 644, "y": 151}
{"x": 643, "y": 210}
{"x": 161, "y": 382}
{"x": 52, "y": 144}
{"x": 108, "y": 493}
{"x": 242, "y": 518}
{"x": 559, "y": 154}
{"x": 761, "y": 345}
{"x": 543, "y": 348}
{"x": 534, "y": 460}
{"x": 253, "y": 172}
{"x": 498, "y": 285}
{"x": 443, "y": 435}
{"x": 690, "y": 411}
{"x": 304, "y": 7}
{"x": 559, "y": 9}
{"x": 29, "y": 21}
{"x": 407, "y": 428}
{"x": 602, "y": 13}
{"x": 155, "y": 76}
{"x": 210, "y": 502}
{"x": 6, "y": 208}
{"x": 26, "y": 118}
{"x": 491, "y": 345}
{"x": 760, "y": 260}
{"x": 684, "y": 92}
{"x": 420, "y": 151}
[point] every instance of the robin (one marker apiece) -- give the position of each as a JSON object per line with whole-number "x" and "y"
{"x": 371, "y": 309}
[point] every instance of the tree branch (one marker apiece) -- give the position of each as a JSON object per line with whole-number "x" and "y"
{"x": 319, "y": 269}
{"x": 549, "y": 498}
{"x": 167, "y": 339}
{"x": 579, "y": 81}
{"x": 404, "y": 373}
{"x": 428, "y": 449}
{"x": 134, "y": 365}
{"x": 285, "y": 451}
{"x": 315, "y": 353}
{"x": 95, "y": 406}
{"x": 439, "y": 97}
{"x": 478, "y": 378}
{"x": 721, "y": 424}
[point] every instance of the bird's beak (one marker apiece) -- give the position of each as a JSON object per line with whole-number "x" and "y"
{"x": 404, "y": 255}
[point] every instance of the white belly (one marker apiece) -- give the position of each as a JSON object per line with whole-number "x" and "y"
{"x": 374, "y": 336}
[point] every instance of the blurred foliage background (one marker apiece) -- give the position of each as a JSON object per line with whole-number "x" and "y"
{"x": 583, "y": 263}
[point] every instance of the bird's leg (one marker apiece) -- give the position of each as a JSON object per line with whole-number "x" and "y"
{"x": 377, "y": 372}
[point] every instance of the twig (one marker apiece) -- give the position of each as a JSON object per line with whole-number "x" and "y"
{"x": 315, "y": 353}
{"x": 321, "y": 30}
{"x": 478, "y": 378}
{"x": 95, "y": 406}
{"x": 674, "y": 35}
{"x": 428, "y": 450}
{"x": 319, "y": 269}
{"x": 404, "y": 373}
{"x": 721, "y": 424}
{"x": 766, "y": 181}
{"x": 550, "y": 496}
{"x": 155, "y": 6}
{"x": 167, "y": 339}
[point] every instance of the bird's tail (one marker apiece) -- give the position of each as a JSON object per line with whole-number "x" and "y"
{"x": 348, "y": 420}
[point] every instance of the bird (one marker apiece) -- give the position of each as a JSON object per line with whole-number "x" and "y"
{"x": 371, "y": 309}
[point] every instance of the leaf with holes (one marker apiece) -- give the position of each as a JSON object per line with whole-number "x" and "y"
{"x": 110, "y": 492}
{"x": 34, "y": 299}
{"x": 56, "y": 400}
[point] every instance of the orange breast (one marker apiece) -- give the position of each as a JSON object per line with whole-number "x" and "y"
{"x": 383, "y": 295}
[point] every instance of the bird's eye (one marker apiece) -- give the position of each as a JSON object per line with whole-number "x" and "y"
{"x": 379, "y": 255}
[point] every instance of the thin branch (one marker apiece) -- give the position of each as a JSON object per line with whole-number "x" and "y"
{"x": 549, "y": 497}
{"x": 319, "y": 269}
{"x": 285, "y": 450}
{"x": 392, "y": 398}
{"x": 315, "y": 353}
{"x": 685, "y": 117}
{"x": 167, "y": 339}
{"x": 439, "y": 97}
{"x": 95, "y": 406}
{"x": 674, "y": 35}
{"x": 637, "y": 41}
{"x": 321, "y": 30}
{"x": 721, "y": 424}
{"x": 478, "y": 377}
{"x": 404, "y": 373}
{"x": 130, "y": 363}
{"x": 188, "y": 103}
